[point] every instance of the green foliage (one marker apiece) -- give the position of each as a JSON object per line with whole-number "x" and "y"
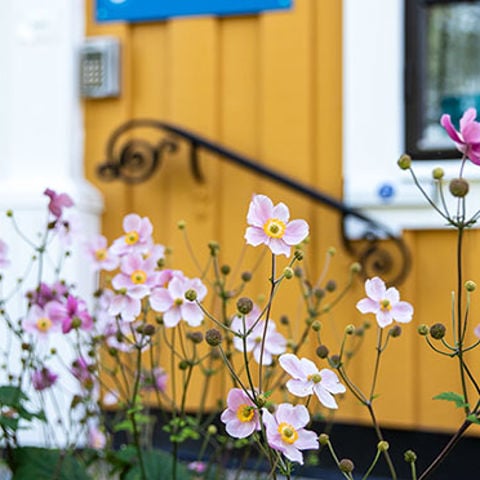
{"x": 456, "y": 398}
{"x": 30, "y": 463}
{"x": 182, "y": 428}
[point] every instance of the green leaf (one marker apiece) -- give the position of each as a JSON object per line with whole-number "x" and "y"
{"x": 474, "y": 419}
{"x": 157, "y": 465}
{"x": 452, "y": 397}
{"x": 46, "y": 464}
{"x": 11, "y": 396}
{"x": 125, "y": 425}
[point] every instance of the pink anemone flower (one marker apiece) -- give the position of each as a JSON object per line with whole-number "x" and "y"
{"x": 269, "y": 224}
{"x": 137, "y": 237}
{"x": 100, "y": 255}
{"x": 286, "y": 432}
{"x": 58, "y": 201}
{"x": 467, "y": 139}
{"x": 241, "y": 415}
{"x": 307, "y": 379}
{"x": 384, "y": 303}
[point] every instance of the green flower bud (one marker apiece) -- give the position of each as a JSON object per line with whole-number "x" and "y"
{"x": 331, "y": 286}
{"x": 470, "y": 286}
{"x": 410, "y": 456}
{"x": 288, "y": 273}
{"x": 438, "y": 173}
{"x": 298, "y": 272}
{"x": 316, "y": 326}
{"x": 181, "y": 225}
{"x": 334, "y": 361}
{"x": 225, "y": 269}
{"x": 183, "y": 364}
{"x": 9, "y": 213}
{"x": 395, "y": 331}
{"x": 383, "y": 446}
{"x": 191, "y": 295}
{"x": 284, "y": 320}
{"x": 323, "y": 439}
{"x": 246, "y": 277}
{"x": 149, "y": 330}
{"x": 322, "y": 351}
{"x": 349, "y": 329}
{"x": 437, "y": 331}
{"x": 298, "y": 255}
{"x": 195, "y": 337}
{"x": 212, "y": 430}
{"x": 244, "y": 305}
{"x": 356, "y": 267}
{"x": 405, "y": 162}
{"x": 459, "y": 187}
{"x": 423, "y": 329}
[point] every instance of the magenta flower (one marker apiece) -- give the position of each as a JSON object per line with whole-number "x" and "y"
{"x": 384, "y": 303}
{"x": 82, "y": 371}
{"x": 71, "y": 314}
{"x": 275, "y": 343}
{"x": 269, "y": 224}
{"x": 137, "y": 237}
{"x": 44, "y": 293}
{"x": 4, "y": 262}
{"x": 41, "y": 321}
{"x": 171, "y": 301}
{"x": 137, "y": 276}
{"x": 307, "y": 379}
{"x": 286, "y": 432}
{"x": 197, "y": 467}
{"x": 155, "y": 379}
{"x": 241, "y": 415}
{"x": 58, "y": 201}
{"x": 43, "y": 379}
{"x": 467, "y": 139}
{"x": 100, "y": 255}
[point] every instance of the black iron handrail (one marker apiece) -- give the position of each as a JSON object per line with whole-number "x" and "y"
{"x": 135, "y": 160}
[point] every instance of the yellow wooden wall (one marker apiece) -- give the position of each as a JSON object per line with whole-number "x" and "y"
{"x": 268, "y": 86}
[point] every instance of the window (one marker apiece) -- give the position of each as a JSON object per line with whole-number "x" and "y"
{"x": 442, "y": 71}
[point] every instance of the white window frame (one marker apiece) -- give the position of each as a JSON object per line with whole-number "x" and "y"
{"x": 374, "y": 119}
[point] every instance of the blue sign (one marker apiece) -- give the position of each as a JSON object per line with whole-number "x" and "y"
{"x": 149, "y": 10}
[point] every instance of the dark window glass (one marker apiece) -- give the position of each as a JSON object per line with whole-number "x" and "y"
{"x": 442, "y": 70}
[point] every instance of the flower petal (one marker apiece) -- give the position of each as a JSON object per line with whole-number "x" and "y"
{"x": 375, "y": 288}
{"x": 255, "y": 236}
{"x": 259, "y": 210}
{"x": 326, "y": 398}
{"x": 402, "y": 312}
{"x": 296, "y": 232}
{"x": 446, "y": 123}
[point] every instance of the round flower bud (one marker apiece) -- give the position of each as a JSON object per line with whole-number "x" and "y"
{"x": 298, "y": 272}
{"x": 410, "y": 456}
{"x": 331, "y": 251}
{"x": 261, "y": 400}
{"x": 298, "y": 255}
{"x": 244, "y": 305}
{"x": 437, "y": 331}
{"x": 334, "y": 361}
{"x": 284, "y": 320}
{"x": 395, "y": 331}
{"x": 183, "y": 364}
{"x": 246, "y": 277}
{"x": 383, "y": 446}
{"x": 9, "y": 213}
{"x": 181, "y": 225}
{"x": 191, "y": 295}
{"x": 322, "y": 351}
{"x": 214, "y": 248}
{"x": 470, "y": 286}
{"x": 458, "y": 187}
{"x": 323, "y": 439}
{"x": 331, "y": 286}
{"x": 349, "y": 329}
{"x": 405, "y": 162}
{"x": 225, "y": 269}
{"x": 319, "y": 293}
{"x": 76, "y": 323}
{"x": 422, "y": 329}
{"x": 356, "y": 267}
{"x": 212, "y": 430}
{"x": 288, "y": 273}
{"x": 316, "y": 326}
{"x": 148, "y": 330}
{"x": 195, "y": 337}
{"x": 346, "y": 465}
{"x": 213, "y": 337}
{"x": 438, "y": 173}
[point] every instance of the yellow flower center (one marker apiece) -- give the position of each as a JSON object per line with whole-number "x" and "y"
{"x": 101, "y": 254}
{"x": 315, "y": 378}
{"x": 274, "y": 228}
{"x": 385, "y": 305}
{"x": 178, "y": 302}
{"x": 245, "y": 412}
{"x": 287, "y": 432}
{"x": 138, "y": 276}
{"x": 131, "y": 238}
{"x": 44, "y": 324}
